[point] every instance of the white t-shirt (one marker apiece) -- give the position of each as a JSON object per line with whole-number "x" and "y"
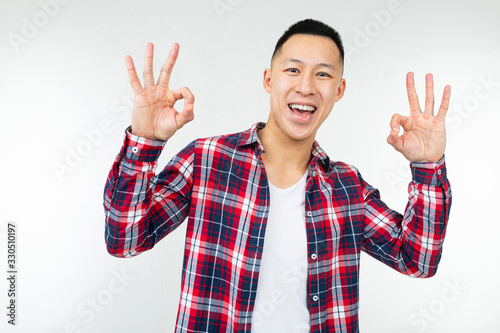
{"x": 281, "y": 301}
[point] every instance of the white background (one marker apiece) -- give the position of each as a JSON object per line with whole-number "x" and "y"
{"x": 62, "y": 75}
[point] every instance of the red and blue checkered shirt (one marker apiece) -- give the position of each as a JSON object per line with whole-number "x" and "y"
{"x": 219, "y": 184}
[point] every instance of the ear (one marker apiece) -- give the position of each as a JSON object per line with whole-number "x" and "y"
{"x": 340, "y": 90}
{"x": 267, "y": 80}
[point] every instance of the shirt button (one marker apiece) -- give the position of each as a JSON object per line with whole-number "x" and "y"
{"x": 314, "y": 173}
{"x": 313, "y": 256}
{"x": 315, "y": 298}
{"x": 135, "y": 149}
{"x": 309, "y": 214}
{"x": 439, "y": 172}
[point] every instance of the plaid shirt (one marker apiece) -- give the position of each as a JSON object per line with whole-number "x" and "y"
{"x": 220, "y": 185}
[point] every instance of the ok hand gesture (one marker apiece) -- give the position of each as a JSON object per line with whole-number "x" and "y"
{"x": 424, "y": 136}
{"x": 153, "y": 115}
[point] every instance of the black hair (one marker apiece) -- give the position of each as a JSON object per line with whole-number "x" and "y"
{"x": 311, "y": 27}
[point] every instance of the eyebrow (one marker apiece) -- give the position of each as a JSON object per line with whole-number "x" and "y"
{"x": 321, "y": 64}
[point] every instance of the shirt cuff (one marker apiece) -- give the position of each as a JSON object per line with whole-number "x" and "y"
{"x": 141, "y": 149}
{"x": 429, "y": 173}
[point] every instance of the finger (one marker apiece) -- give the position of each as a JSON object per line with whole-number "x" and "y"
{"x": 185, "y": 94}
{"x": 412, "y": 94}
{"x": 429, "y": 94}
{"x": 132, "y": 75}
{"x": 187, "y": 113}
{"x": 393, "y": 137}
{"x": 445, "y": 103}
{"x": 395, "y": 140}
{"x": 185, "y": 116}
{"x": 397, "y": 120}
{"x": 148, "y": 66}
{"x": 169, "y": 65}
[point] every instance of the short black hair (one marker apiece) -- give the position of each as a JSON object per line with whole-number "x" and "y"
{"x": 311, "y": 27}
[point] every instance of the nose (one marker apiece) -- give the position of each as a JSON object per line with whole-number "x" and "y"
{"x": 306, "y": 85}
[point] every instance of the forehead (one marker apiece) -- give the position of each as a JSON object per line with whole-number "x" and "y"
{"x": 309, "y": 48}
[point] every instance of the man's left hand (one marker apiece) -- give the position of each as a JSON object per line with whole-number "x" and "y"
{"x": 424, "y": 136}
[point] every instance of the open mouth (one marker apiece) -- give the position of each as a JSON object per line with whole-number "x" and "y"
{"x": 302, "y": 111}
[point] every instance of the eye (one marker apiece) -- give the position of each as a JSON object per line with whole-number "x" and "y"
{"x": 292, "y": 70}
{"x": 323, "y": 74}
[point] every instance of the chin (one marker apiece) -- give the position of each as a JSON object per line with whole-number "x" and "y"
{"x": 299, "y": 133}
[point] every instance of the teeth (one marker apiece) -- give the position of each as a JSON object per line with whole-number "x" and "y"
{"x": 302, "y": 107}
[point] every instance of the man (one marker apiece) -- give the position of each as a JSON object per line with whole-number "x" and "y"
{"x": 275, "y": 228}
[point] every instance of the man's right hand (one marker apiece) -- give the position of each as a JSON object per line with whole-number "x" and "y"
{"x": 153, "y": 115}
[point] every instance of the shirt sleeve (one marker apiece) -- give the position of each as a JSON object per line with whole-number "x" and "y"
{"x": 140, "y": 207}
{"x": 411, "y": 243}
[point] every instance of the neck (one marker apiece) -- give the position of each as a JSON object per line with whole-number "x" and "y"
{"x": 282, "y": 151}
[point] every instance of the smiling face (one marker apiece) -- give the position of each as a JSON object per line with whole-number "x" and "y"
{"x": 305, "y": 81}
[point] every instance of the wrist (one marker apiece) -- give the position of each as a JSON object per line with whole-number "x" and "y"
{"x": 140, "y": 148}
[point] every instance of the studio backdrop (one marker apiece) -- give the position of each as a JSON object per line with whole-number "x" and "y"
{"x": 66, "y": 101}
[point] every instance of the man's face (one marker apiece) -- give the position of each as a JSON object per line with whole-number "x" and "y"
{"x": 305, "y": 81}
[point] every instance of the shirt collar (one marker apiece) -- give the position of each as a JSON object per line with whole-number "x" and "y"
{"x": 250, "y": 137}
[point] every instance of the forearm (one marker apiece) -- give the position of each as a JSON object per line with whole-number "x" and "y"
{"x": 412, "y": 243}
{"x": 127, "y": 196}
{"x": 141, "y": 207}
{"x": 426, "y": 217}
